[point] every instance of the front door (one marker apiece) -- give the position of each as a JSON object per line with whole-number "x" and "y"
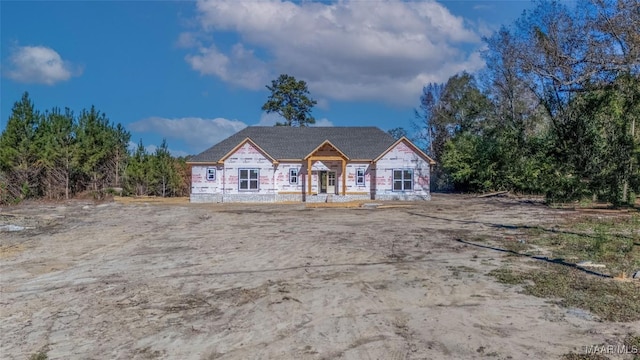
{"x": 327, "y": 182}
{"x": 331, "y": 182}
{"x": 323, "y": 182}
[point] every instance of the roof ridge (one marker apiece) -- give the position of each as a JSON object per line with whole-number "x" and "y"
{"x": 308, "y": 127}
{"x": 281, "y": 142}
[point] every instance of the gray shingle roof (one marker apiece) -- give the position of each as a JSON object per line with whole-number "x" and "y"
{"x": 284, "y": 142}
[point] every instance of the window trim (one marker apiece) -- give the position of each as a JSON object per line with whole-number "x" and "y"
{"x": 248, "y": 179}
{"x": 291, "y": 176}
{"x": 211, "y": 178}
{"x": 360, "y": 178}
{"x": 402, "y": 180}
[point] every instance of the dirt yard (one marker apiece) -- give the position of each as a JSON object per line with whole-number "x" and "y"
{"x": 147, "y": 280}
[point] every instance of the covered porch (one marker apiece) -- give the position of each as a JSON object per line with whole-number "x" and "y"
{"x": 328, "y": 166}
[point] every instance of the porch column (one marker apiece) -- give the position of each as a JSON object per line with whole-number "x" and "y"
{"x": 344, "y": 177}
{"x": 309, "y": 176}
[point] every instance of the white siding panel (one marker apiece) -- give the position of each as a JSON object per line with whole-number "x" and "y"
{"x": 352, "y": 169}
{"x": 248, "y": 157}
{"x": 199, "y": 182}
{"x": 283, "y": 183}
{"x": 402, "y": 157}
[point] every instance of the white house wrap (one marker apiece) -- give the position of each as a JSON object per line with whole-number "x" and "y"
{"x": 313, "y": 164}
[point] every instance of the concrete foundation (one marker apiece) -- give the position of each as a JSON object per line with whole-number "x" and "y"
{"x": 403, "y": 197}
{"x": 319, "y": 198}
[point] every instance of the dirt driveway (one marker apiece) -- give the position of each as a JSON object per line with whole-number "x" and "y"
{"x": 183, "y": 281}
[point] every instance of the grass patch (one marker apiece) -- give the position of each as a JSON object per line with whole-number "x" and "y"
{"x": 40, "y": 355}
{"x": 611, "y": 241}
{"x": 610, "y": 300}
{"x": 458, "y": 270}
{"x": 507, "y": 276}
{"x": 574, "y": 356}
{"x": 516, "y": 246}
{"x": 632, "y": 342}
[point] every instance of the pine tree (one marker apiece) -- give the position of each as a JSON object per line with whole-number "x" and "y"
{"x": 55, "y": 139}
{"x": 18, "y": 151}
{"x": 289, "y": 99}
{"x": 137, "y": 171}
{"x": 163, "y": 167}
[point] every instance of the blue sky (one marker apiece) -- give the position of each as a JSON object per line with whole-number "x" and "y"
{"x": 194, "y": 72}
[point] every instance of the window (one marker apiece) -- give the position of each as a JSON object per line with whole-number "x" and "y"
{"x": 331, "y": 178}
{"x": 402, "y": 180}
{"x": 248, "y": 179}
{"x": 211, "y": 174}
{"x": 360, "y": 176}
{"x": 293, "y": 176}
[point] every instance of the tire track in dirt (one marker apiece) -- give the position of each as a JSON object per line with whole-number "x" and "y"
{"x": 271, "y": 281}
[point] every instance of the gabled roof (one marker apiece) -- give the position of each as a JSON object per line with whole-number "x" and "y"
{"x": 411, "y": 145}
{"x": 295, "y": 143}
{"x": 247, "y": 140}
{"x": 326, "y": 142}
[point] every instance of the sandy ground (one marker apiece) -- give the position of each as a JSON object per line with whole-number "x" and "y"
{"x": 148, "y": 280}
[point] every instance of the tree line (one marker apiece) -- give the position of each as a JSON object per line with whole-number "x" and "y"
{"x": 554, "y": 113}
{"x": 57, "y": 154}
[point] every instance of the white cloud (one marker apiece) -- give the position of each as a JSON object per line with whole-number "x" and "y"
{"x": 323, "y": 103}
{"x": 187, "y": 40}
{"x": 240, "y": 67}
{"x": 346, "y": 50}
{"x": 133, "y": 146}
{"x": 324, "y": 122}
{"x": 179, "y": 153}
{"x": 198, "y": 133}
{"x": 269, "y": 119}
{"x": 152, "y": 149}
{"x": 39, "y": 64}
